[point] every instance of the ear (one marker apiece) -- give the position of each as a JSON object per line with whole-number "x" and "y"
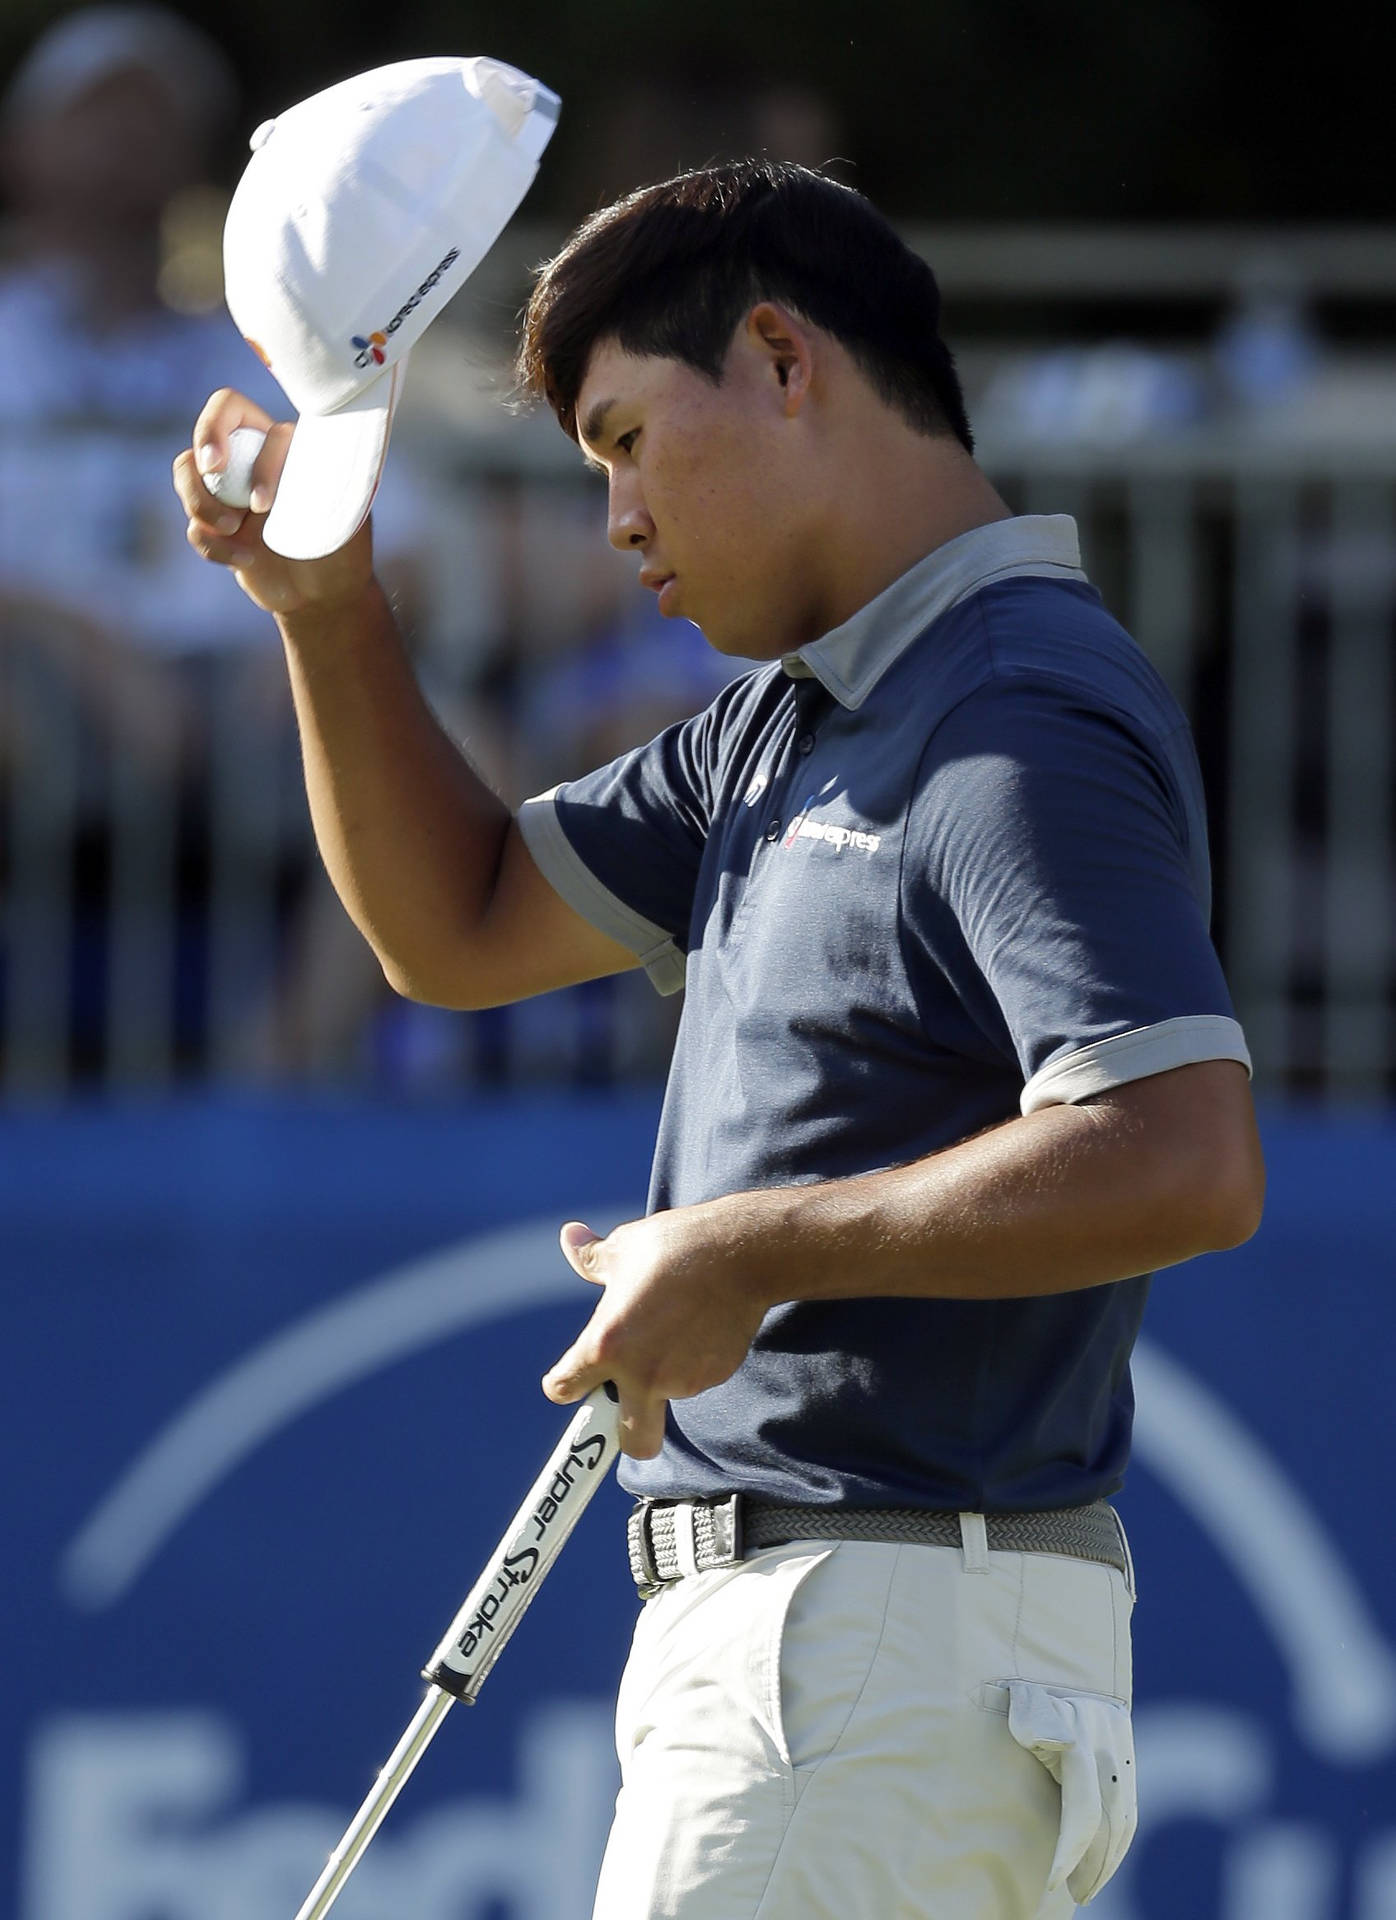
{"x": 787, "y": 346}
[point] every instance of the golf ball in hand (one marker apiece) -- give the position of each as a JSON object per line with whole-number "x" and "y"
{"x": 233, "y": 485}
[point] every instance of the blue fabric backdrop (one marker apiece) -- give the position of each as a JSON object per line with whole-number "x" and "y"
{"x": 271, "y": 1395}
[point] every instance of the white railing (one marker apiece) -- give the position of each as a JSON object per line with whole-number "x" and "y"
{"x": 162, "y": 915}
{"x": 1263, "y": 585}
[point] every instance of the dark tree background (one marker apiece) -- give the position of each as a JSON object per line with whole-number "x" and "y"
{"x": 944, "y": 110}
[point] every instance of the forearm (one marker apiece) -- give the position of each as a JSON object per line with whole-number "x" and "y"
{"x": 410, "y": 836}
{"x": 1065, "y": 1198}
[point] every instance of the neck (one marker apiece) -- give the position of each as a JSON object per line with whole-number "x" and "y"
{"x": 912, "y": 495}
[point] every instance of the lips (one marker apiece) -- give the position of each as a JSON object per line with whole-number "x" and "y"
{"x": 663, "y": 584}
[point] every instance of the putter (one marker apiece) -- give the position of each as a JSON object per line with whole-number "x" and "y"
{"x": 492, "y": 1609}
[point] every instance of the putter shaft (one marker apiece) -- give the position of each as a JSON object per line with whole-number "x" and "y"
{"x": 397, "y": 1770}
{"x": 492, "y": 1610}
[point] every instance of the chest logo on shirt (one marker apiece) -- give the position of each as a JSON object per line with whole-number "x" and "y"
{"x": 803, "y": 826}
{"x": 759, "y": 784}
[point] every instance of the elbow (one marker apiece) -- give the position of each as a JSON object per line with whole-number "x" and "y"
{"x": 1206, "y": 1170}
{"x": 428, "y": 990}
{"x": 408, "y": 982}
{"x": 434, "y": 982}
{"x": 1231, "y": 1199}
{"x": 1237, "y": 1216}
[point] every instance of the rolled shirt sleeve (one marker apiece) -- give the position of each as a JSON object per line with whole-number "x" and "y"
{"x": 623, "y": 845}
{"x": 1068, "y": 843}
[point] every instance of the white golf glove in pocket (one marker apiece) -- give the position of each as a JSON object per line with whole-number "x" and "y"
{"x": 1086, "y": 1743}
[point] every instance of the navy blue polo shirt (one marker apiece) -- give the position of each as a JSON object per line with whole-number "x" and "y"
{"x": 945, "y": 865}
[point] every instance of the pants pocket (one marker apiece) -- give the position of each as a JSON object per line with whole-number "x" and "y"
{"x": 831, "y": 1634}
{"x": 1086, "y": 1743}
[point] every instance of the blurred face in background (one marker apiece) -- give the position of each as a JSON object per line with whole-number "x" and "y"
{"x": 114, "y": 155}
{"x": 714, "y": 487}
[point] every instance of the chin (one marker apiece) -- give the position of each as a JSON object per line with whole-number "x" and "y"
{"x": 739, "y": 642}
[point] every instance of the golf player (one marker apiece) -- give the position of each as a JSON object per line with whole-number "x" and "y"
{"x": 957, "y": 1068}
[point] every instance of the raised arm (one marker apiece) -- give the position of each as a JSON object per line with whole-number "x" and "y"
{"x": 425, "y": 857}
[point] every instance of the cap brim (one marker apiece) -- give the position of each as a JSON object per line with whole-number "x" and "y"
{"x": 332, "y": 472}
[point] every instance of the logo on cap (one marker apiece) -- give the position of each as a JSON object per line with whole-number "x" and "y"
{"x": 370, "y": 349}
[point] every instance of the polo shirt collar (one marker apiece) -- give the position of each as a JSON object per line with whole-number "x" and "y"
{"x": 851, "y": 659}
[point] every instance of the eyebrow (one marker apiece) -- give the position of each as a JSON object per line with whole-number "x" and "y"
{"x": 596, "y": 420}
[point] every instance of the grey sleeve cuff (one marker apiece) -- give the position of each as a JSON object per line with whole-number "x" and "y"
{"x": 1134, "y": 1056}
{"x": 568, "y": 875}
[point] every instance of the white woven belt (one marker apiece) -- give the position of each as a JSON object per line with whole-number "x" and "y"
{"x": 670, "y": 1538}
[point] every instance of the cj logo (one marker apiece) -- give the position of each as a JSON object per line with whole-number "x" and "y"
{"x": 370, "y": 350}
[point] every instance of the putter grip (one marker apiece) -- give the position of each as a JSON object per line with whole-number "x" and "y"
{"x": 514, "y": 1573}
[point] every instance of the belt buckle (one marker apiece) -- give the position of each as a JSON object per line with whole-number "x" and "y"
{"x": 646, "y": 1573}
{"x": 728, "y": 1540}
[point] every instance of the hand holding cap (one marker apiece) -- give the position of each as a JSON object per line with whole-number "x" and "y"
{"x": 361, "y": 212}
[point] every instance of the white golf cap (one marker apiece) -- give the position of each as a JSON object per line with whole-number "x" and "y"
{"x": 362, "y": 210}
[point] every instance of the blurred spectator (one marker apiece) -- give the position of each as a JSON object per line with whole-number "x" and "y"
{"x": 144, "y": 721}
{"x": 107, "y": 121}
{"x": 1267, "y": 351}
{"x": 1264, "y": 363}
{"x": 1100, "y": 396}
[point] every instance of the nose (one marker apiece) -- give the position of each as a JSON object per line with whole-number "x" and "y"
{"x": 628, "y": 524}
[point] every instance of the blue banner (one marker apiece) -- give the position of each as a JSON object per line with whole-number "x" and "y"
{"x": 273, "y": 1397}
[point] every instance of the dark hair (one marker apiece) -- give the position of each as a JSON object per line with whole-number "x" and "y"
{"x": 672, "y": 270}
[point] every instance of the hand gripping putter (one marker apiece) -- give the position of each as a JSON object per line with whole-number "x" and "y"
{"x": 493, "y": 1608}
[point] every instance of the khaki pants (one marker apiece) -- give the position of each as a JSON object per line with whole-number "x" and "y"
{"x": 872, "y": 1732}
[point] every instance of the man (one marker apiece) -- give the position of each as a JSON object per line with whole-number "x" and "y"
{"x": 956, "y": 1064}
